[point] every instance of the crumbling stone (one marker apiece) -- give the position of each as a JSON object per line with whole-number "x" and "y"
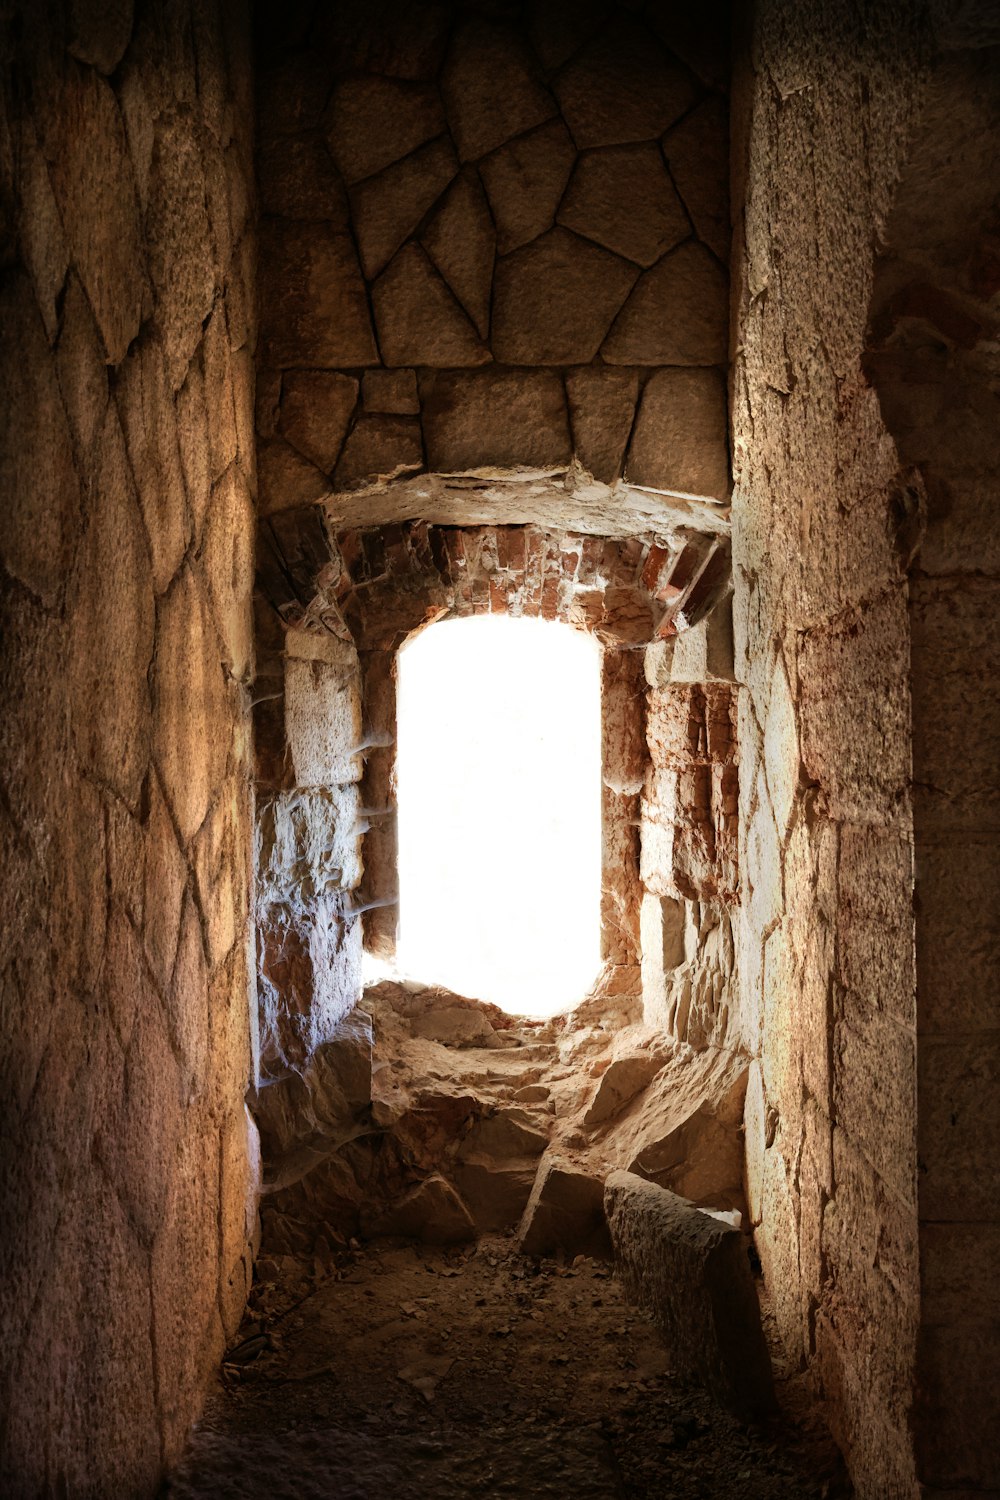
{"x": 565, "y": 1212}
{"x": 623, "y": 1078}
{"x": 692, "y": 1272}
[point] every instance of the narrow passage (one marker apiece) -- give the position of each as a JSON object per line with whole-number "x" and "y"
{"x": 399, "y": 1372}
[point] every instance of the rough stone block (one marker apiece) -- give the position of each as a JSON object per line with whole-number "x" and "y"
{"x": 387, "y": 208}
{"x": 555, "y": 299}
{"x": 677, "y": 314}
{"x": 505, "y": 1134}
{"x": 565, "y": 1212}
{"x": 502, "y": 419}
{"x": 379, "y": 448}
{"x": 393, "y": 392}
{"x": 692, "y": 1272}
{"x": 296, "y": 179}
{"x": 622, "y": 1080}
{"x": 323, "y": 721}
{"x": 495, "y": 1192}
{"x": 373, "y": 122}
{"x": 601, "y": 203}
{"x": 525, "y": 181}
{"x": 460, "y": 239}
{"x": 419, "y": 321}
{"x": 622, "y": 87}
{"x": 698, "y": 153}
{"x": 490, "y": 87}
{"x": 680, "y": 441}
{"x": 602, "y": 406}
{"x": 314, "y": 310}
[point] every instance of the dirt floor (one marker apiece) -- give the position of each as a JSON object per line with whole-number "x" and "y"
{"x": 402, "y": 1373}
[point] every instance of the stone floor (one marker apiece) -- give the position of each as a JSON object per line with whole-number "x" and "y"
{"x": 404, "y": 1372}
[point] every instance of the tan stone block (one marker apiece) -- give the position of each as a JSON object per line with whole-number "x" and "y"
{"x": 314, "y": 310}
{"x": 285, "y": 479}
{"x": 187, "y": 1328}
{"x": 680, "y": 441}
{"x": 316, "y": 409}
{"x": 372, "y": 122}
{"x": 193, "y": 440}
{"x": 460, "y": 240}
{"x": 391, "y": 391}
{"x": 387, "y": 208}
{"x": 867, "y": 1046}
{"x": 38, "y": 518}
{"x": 146, "y": 409}
{"x": 165, "y": 879}
{"x": 491, "y": 88}
{"x": 323, "y": 722}
{"x": 602, "y": 405}
{"x": 419, "y": 321}
{"x": 525, "y": 181}
{"x": 697, "y": 151}
{"x": 600, "y": 203}
{"x": 218, "y": 877}
{"x": 40, "y": 231}
{"x": 228, "y": 564}
{"x": 187, "y": 1001}
{"x": 875, "y": 919}
{"x": 677, "y": 314}
{"x": 494, "y": 419}
{"x": 958, "y": 1125}
{"x": 92, "y": 179}
{"x": 555, "y": 299}
{"x": 379, "y": 448}
{"x": 621, "y": 88}
{"x": 112, "y": 629}
{"x": 179, "y": 233}
{"x": 217, "y": 364}
{"x": 193, "y": 713}
{"x": 80, "y": 366}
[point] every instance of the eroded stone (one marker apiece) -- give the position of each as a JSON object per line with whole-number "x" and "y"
{"x": 378, "y": 448}
{"x": 676, "y": 315}
{"x": 314, "y": 310}
{"x": 623, "y": 198}
{"x": 555, "y": 299}
{"x": 432, "y": 1212}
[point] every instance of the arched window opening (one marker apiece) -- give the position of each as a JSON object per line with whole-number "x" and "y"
{"x": 499, "y": 797}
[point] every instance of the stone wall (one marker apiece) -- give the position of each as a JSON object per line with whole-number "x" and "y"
{"x": 126, "y": 535}
{"x": 933, "y": 360}
{"x": 827, "y": 981}
{"x": 492, "y": 237}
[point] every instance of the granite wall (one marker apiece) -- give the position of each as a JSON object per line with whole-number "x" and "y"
{"x": 492, "y": 237}
{"x": 126, "y": 537}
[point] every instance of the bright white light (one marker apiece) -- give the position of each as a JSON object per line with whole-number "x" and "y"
{"x": 498, "y": 777}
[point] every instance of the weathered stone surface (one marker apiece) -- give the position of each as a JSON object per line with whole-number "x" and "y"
{"x": 525, "y": 181}
{"x": 621, "y": 88}
{"x": 99, "y": 31}
{"x": 505, "y": 1134}
{"x": 676, "y": 315}
{"x": 460, "y": 240}
{"x": 692, "y": 1272}
{"x": 92, "y": 180}
{"x": 326, "y": 1098}
{"x": 388, "y": 207}
{"x": 603, "y": 201}
{"x": 393, "y": 392}
{"x": 182, "y": 260}
{"x": 44, "y": 248}
{"x": 378, "y": 448}
{"x": 490, "y": 88}
{"x": 494, "y": 1192}
{"x": 40, "y": 484}
{"x": 296, "y": 179}
{"x": 618, "y": 1085}
{"x": 228, "y": 563}
{"x": 316, "y": 410}
{"x": 285, "y": 479}
{"x": 456, "y": 1026}
{"x": 680, "y": 437}
{"x": 565, "y": 1212}
{"x": 698, "y": 153}
{"x": 602, "y": 408}
{"x": 555, "y": 299}
{"x": 419, "y": 321}
{"x": 313, "y": 305}
{"x": 80, "y": 368}
{"x": 323, "y": 719}
{"x": 188, "y": 694}
{"x": 495, "y": 419}
{"x": 146, "y": 411}
{"x": 432, "y": 1212}
{"x": 373, "y": 122}
{"x": 112, "y": 629}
